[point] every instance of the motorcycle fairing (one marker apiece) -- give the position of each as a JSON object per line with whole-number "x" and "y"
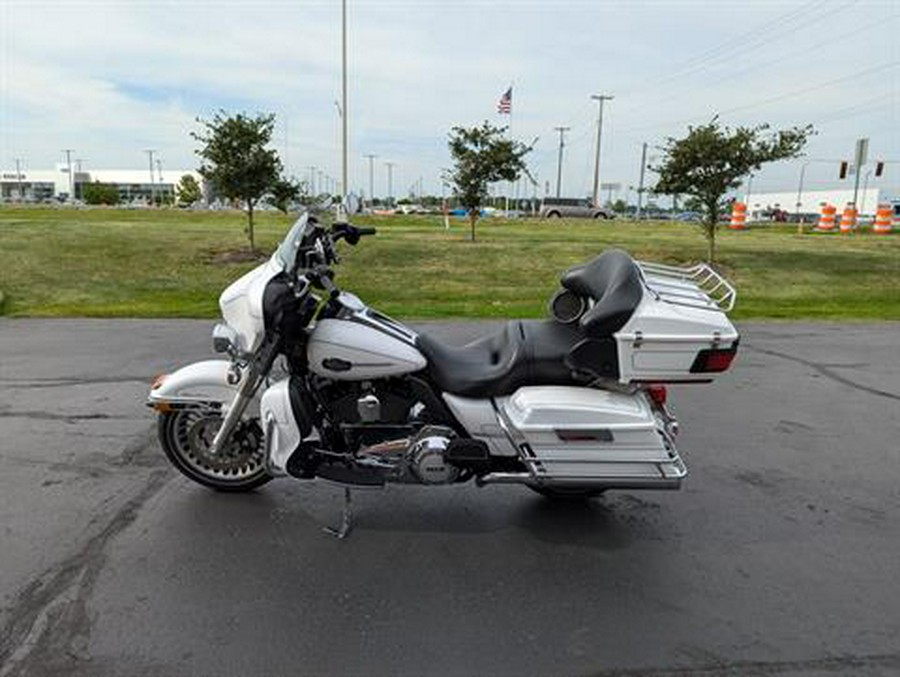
{"x": 242, "y": 304}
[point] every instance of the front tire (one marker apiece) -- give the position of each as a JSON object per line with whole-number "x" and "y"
{"x": 186, "y": 435}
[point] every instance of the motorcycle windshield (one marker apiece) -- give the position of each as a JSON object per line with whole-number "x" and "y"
{"x": 286, "y": 254}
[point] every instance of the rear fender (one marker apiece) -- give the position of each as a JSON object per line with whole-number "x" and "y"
{"x": 198, "y": 383}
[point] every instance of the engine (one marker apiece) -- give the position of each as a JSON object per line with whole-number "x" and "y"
{"x": 427, "y": 456}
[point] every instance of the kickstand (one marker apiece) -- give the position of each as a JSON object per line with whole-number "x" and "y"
{"x": 346, "y": 519}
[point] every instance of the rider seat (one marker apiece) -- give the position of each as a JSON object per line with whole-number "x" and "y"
{"x": 523, "y": 352}
{"x": 537, "y": 352}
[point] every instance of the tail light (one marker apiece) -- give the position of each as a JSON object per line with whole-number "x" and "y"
{"x": 658, "y": 394}
{"x": 714, "y": 360}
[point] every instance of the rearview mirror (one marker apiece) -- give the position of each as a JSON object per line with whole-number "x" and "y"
{"x": 351, "y": 204}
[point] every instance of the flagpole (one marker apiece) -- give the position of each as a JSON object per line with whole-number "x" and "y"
{"x": 509, "y": 138}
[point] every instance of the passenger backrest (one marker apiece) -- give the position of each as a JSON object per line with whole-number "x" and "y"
{"x": 614, "y": 282}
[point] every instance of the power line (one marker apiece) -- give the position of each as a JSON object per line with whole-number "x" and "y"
{"x": 774, "y": 99}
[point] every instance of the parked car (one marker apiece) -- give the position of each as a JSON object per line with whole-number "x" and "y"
{"x": 688, "y": 216}
{"x": 556, "y": 207}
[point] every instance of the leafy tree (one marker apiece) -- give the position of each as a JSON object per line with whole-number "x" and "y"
{"x": 285, "y": 191}
{"x": 97, "y": 193}
{"x": 481, "y": 156}
{"x": 188, "y": 190}
{"x": 711, "y": 160}
{"x": 236, "y": 160}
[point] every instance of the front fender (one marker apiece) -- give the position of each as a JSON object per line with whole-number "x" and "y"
{"x": 200, "y": 382}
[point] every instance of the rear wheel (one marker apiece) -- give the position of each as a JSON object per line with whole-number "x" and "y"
{"x": 186, "y": 436}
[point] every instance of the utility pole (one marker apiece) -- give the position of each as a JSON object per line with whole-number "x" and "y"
{"x": 562, "y": 143}
{"x": 862, "y": 151}
{"x": 312, "y": 180}
{"x": 19, "y": 178}
{"x": 641, "y": 184}
{"x": 150, "y": 153}
{"x": 371, "y": 159}
{"x": 390, "y": 167}
{"x": 68, "y": 152}
{"x": 600, "y": 98}
{"x": 344, "y": 99}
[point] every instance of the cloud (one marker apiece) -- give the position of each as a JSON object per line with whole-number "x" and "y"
{"x": 112, "y": 78}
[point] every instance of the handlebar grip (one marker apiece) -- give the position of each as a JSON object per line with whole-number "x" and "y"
{"x": 328, "y": 286}
{"x": 366, "y": 231}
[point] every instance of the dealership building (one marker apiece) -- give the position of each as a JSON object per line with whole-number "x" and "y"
{"x": 811, "y": 201}
{"x": 134, "y": 185}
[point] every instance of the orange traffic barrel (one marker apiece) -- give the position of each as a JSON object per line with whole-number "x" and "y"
{"x": 738, "y": 216}
{"x": 884, "y": 218}
{"x": 827, "y": 218}
{"x": 848, "y": 220}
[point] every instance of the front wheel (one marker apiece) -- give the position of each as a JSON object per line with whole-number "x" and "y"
{"x": 186, "y": 436}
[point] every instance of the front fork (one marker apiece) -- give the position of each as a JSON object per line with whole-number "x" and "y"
{"x": 258, "y": 367}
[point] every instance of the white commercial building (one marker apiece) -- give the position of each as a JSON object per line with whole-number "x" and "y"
{"x": 811, "y": 201}
{"x": 38, "y": 185}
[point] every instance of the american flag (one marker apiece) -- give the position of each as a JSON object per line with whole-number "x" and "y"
{"x": 504, "y": 107}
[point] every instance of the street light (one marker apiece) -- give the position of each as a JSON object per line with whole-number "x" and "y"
{"x": 600, "y": 98}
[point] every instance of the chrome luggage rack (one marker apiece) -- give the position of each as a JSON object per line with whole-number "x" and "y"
{"x": 696, "y": 286}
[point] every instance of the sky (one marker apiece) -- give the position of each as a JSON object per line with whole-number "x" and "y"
{"x": 111, "y": 78}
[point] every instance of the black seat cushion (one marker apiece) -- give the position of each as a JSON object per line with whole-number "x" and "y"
{"x": 521, "y": 353}
{"x": 614, "y": 282}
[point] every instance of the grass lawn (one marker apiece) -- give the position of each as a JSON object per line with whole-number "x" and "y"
{"x": 149, "y": 263}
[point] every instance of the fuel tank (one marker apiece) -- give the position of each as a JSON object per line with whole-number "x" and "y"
{"x": 360, "y": 349}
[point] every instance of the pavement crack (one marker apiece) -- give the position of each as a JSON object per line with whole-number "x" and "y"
{"x": 826, "y": 372}
{"x": 51, "y": 416}
{"x": 841, "y": 665}
{"x": 73, "y": 381}
{"x": 48, "y": 624}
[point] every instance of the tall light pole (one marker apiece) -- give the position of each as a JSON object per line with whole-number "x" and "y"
{"x": 640, "y": 198}
{"x": 68, "y": 152}
{"x": 344, "y": 97}
{"x": 390, "y": 167}
{"x": 150, "y": 153}
{"x": 562, "y": 143}
{"x": 600, "y": 98}
{"x": 371, "y": 177}
{"x": 312, "y": 180}
{"x": 19, "y": 178}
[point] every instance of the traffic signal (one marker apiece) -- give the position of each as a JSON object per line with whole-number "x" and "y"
{"x": 844, "y": 169}
{"x": 879, "y": 168}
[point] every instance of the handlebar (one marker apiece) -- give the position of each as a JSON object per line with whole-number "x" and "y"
{"x": 322, "y": 275}
{"x": 349, "y": 232}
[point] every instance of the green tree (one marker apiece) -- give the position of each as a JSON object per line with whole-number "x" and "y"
{"x": 712, "y": 160}
{"x": 285, "y": 191}
{"x": 188, "y": 190}
{"x": 481, "y": 156}
{"x": 236, "y": 160}
{"x": 97, "y": 193}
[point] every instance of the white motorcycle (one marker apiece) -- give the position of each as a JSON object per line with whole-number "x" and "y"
{"x": 570, "y": 406}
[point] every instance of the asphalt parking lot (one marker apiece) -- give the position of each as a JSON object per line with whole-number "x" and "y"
{"x": 780, "y": 556}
